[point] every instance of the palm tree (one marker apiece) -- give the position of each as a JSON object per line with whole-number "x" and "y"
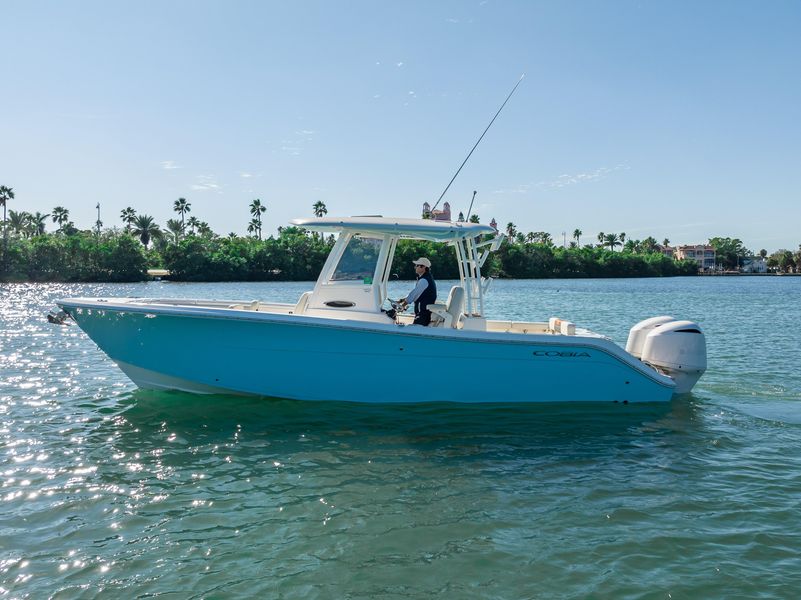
{"x": 601, "y": 236}
{"x": 319, "y": 209}
{"x": 622, "y": 237}
{"x": 60, "y": 216}
{"x": 648, "y": 244}
{"x": 530, "y": 237}
{"x": 511, "y": 230}
{"x": 176, "y": 228}
{"x": 145, "y": 227}
{"x": 193, "y": 224}
{"x": 18, "y": 221}
{"x": 253, "y": 226}
{"x": 473, "y": 218}
{"x": 204, "y": 229}
{"x": 666, "y": 242}
{"x": 182, "y": 207}
{"x": 6, "y": 194}
{"x": 611, "y": 240}
{"x": 38, "y": 223}
{"x": 577, "y": 233}
{"x": 256, "y": 209}
{"x": 128, "y": 216}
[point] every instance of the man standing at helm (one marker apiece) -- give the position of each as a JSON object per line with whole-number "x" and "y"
{"x": 423, "y": 294}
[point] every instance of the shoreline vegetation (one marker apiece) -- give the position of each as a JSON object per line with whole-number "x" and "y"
{"x": 295, "y": 255}
{"x": 191, "y": 251}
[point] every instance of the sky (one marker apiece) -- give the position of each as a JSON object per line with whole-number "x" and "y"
{"x": 678, "y": 120}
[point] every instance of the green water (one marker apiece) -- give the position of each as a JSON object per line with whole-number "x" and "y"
{"x": 110, "y": 492}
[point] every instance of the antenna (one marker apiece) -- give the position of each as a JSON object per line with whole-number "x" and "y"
{"x": 477, "y": 143}
{"x": 470, "y": 210}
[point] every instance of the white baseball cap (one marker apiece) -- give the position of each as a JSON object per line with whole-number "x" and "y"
{"x": 422, "y": 261}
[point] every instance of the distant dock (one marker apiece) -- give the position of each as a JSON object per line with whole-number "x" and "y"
{"x": 158, "y": 274}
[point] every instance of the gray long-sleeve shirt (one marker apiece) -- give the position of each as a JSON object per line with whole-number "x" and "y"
{"x": 421, "y": 286}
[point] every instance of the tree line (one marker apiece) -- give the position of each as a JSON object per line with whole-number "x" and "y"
{"x": 192, "y": 251}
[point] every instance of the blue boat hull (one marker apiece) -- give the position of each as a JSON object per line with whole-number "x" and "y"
{"x": 310, "y": 358}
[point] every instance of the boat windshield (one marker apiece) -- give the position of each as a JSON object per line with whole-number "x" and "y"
{"x": 359, "y": 260}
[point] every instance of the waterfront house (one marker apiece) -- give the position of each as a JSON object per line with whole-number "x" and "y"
{"x": 701, "y": 253}
{"x": 755, "y": 264}
{"x": 668, "y": 251}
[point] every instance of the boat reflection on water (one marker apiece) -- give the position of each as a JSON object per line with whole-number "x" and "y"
{"x": 277, "y": 427}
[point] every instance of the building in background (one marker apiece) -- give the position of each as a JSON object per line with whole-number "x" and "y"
{"x": 755, "y": 264}
{"x": 701, "y": 253}
{"x": 437, "y": 215}
{"x": 668, "y": 251}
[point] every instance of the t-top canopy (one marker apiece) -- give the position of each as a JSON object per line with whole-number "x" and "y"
{"x": 424, "y": 229}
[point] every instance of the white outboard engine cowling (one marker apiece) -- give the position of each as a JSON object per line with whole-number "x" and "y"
{"x": 640, "y": 331}
{"x": 677, "y": 349}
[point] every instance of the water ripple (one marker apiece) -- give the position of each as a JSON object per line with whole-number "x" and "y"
{"x": 106, "y": 491}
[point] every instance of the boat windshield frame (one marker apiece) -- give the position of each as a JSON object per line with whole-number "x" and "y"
{"x": 466, "y": 238}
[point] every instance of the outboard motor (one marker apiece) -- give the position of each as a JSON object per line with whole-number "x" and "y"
{"x": 640, "y": 331}
{"x": 677, "y": 349}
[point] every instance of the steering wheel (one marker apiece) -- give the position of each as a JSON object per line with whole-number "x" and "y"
{"x": 398, "y": 306}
